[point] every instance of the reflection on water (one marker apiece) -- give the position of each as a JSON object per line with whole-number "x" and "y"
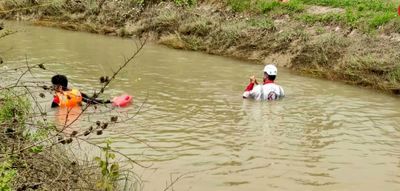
{"x": 65, "y": 118}
{"x": 322, "y": 136}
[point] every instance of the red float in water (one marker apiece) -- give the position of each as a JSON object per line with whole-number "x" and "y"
{"x": 122, "y": 101}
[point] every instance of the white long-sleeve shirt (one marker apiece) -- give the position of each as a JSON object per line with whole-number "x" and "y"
{"x": 267, "y": 91}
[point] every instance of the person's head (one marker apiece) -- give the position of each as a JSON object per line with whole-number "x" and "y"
{"x": 270, "y": 72}
{"x": 60, "y": 82}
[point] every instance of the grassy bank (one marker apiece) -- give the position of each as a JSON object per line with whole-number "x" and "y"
{"x": 355, "y": 41}
{"x": 366, "y": 15}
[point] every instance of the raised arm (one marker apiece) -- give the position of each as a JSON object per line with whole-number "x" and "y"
{"x": 249, "y": 87}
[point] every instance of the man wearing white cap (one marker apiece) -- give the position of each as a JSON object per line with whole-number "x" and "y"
{"x": 268, "y": 90}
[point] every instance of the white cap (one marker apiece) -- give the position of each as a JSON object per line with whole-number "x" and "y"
{"x": 271, "y": 70}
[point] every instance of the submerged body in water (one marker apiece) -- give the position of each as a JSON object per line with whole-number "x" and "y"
{"x": 268, "y": 90}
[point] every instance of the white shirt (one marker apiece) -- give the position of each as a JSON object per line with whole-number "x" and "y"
{"x": 269, "y": 91}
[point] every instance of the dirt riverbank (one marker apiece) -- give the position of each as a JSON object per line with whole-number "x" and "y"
{"x": 327, "y": 50}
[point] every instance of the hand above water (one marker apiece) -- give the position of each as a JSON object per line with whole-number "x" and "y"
{"x": 253, "y": 79}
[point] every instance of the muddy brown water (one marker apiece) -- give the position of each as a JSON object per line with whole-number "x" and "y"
{"x": 323, "y": 136}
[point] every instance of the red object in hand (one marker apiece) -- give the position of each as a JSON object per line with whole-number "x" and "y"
{"x": 56, "y": 100}
{"x": 122, "y": 101}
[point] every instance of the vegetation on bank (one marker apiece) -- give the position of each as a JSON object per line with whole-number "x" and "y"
{"x": 355, "y": 41}
{"x": 365, "y": 15}
{"x": 34, "y": 167}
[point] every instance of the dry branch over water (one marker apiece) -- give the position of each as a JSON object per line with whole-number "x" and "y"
{"x": 37, "y": 153}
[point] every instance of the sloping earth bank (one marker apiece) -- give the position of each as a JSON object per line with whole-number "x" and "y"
{"x": 333, "y": 52}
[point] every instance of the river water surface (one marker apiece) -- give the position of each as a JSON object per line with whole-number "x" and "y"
{"x": 323, "y": 136}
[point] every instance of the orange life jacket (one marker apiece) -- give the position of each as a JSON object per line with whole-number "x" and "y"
{"x": 70, "y": 98}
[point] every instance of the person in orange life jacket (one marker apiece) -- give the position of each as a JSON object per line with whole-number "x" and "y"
{"x": 268, "y": 90}
{"x": 66, "y": 97}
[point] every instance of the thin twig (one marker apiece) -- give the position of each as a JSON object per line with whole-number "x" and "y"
{"x": 96, "y": 95}
{"x": 112, "y": 78}
{"x": 113, "y": 150}
{"x": 173, "y": 182}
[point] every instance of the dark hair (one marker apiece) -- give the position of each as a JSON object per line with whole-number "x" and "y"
{"x": 271, "y": 77}
{"x": 60, "y": 80}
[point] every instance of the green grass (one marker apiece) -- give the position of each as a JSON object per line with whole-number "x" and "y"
{"x": 263, "y": 23}
{"x": 265, "y": 6}
{"x": 295, "y": 5}
{"x": 12, "y": 107}
{"x": 365, "y": 21}
{"x": 13, "y": 110}
{"x": 394, "y": 75}
{"x": 325, "y": 18}
{"x": 7, "y": 174}
{"x": 366, "y": 15}
{"x": 381, "y": 19}
{"x": 361, "y": 5}
{"x": 240, "y": 5}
